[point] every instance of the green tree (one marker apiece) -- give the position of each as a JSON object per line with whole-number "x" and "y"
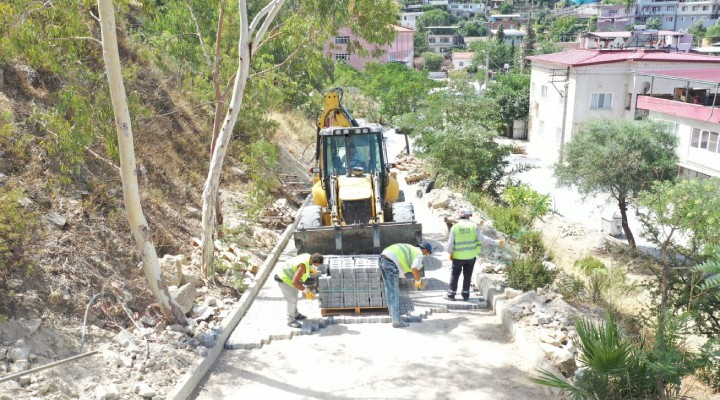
{"x": 435, "y": 17}
{"x": 500, "y": 34}
{"x": 510, "y": 95}
{"x": 565, "y": 29}
{"x": 682, "y": 218}
{"x": 619, "y": 158}
{"x": 443, "y": 125}
{"x": 528, "y": 45}
{"x": 506, "y": 8}
{"x": 713, "y": 32}
{"x": 398, "y": 89}
{"x": 472, "y": 28}
{"x": 433, "y": 61}
{"x": 498, "y": 54}
{"x": 698, "y": 31}
{"x": 653, "y": 23}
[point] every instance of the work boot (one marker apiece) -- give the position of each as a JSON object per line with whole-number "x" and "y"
{"x": 466, "y": 298}
{"x": 448, "y": 297}
{"x": 400, "y": 324}
{"x": 300, "y": 317}
{"x": 295, "y": 324}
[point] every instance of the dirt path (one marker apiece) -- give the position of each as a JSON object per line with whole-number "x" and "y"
{"x": 457, "y": 355}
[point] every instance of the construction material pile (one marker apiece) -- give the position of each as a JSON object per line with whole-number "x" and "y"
{"x": 351, "y": 281}
{"x": 413, "y": 166}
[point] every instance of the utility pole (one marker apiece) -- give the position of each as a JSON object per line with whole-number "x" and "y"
{"x": 487, "y": 69}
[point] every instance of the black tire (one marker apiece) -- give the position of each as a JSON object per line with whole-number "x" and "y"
{"x": 403, "y": 212}
{"x": 311, "y": 217}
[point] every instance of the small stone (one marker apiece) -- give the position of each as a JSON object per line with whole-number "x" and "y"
{"x": 144, "y": 390}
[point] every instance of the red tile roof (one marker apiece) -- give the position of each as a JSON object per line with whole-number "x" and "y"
{"x": 695, "y": 74}
{"x": 583, "y": 57}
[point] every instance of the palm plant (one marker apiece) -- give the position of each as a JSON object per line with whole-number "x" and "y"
{"x": 611, "y": 363}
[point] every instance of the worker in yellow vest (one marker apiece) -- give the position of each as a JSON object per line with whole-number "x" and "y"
{"x": 464, "y": 245}
{"x": 396, "y": 259}
{"x": 293, "y": 274}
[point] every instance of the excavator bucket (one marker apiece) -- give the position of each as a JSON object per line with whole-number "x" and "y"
{"x": 356, "y": 239}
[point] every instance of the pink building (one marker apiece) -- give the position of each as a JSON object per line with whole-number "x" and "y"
{"x": 400, "y": 50}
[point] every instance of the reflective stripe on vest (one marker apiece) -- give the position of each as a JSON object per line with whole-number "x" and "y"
{"x": 405, "y": 253}
{"x": 466, "y": 245}
{"x": 291, "y": 266}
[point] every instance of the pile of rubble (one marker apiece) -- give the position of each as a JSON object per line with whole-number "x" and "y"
{"x": 413, "y": 167}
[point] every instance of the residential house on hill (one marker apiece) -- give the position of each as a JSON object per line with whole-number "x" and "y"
{"x": 462, "y": 59}
{"x": 442, "y": 39}
{"x": 679, "y": 15}
{"x": 570, "y": 87}
{"x": 690, "y": 100}
{"x": 400, "y": 50}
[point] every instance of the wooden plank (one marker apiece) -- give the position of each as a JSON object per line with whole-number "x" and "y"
{"x": 351, "y": 310}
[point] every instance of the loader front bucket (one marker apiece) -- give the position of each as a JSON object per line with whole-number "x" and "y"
{"x": 357, "y": 239}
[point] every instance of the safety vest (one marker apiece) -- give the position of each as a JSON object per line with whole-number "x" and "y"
{"x": 405, "y": 253}
{"x": 291, "y": 266}
{"x": 466, "y": 245}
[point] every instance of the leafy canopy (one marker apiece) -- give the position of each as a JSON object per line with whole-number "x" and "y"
{"x": 618, "y": 157}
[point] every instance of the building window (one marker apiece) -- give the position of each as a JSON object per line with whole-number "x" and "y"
{"x": 601, "y": 101}
{"x": 705, "y": 8}
{"x": 713, "y": 142}
{"x": 671, "y": 8}
{"x": 342, "y": 39}
{"x": 669, "y": 19}
{"x": 543, "y": 92}
{"x": 613, "y": 12}
{"x": 656, "y": 9}
{"x": 444, "y": 40}
{"x": 461, "y": 63}
{"x": 391, "y": 57}
{"x": 695, "y": 140}
{"x": 431, "y": 40}
{"x": 684, "y": 8}
{"x": 342, "y": 57}
{"x": 694, "y": 8}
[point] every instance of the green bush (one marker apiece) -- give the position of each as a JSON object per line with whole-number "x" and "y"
{"x": 709, "y": 374}
{"x": 509, "y": 220}
{"x": 568, "y": 286}
{"x": 531, "y": 242}
{"x": 534, "y": 203}
{"x": 589, "y": 264}
{"x": 527, "y": 272}
{"x": 17, "y": 229}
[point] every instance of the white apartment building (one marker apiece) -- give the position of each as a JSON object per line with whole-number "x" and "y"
{"x": 690, "y": 100}
{"x": 570, "y": 87}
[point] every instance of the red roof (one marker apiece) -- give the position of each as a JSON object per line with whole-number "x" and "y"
{"x": 583, "y": 57}
{"x": 695, "y": 74}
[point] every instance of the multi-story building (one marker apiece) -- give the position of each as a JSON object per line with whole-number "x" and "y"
{"x": 679, "y": 14}
{"x": 442, "y": 39}
{"x": 464, "y": 8}
{"x": 570, "y": 87}
{"x": 689, "y": 99}
{"x": 401, "y": 49}
{"x": 408, "y": 19}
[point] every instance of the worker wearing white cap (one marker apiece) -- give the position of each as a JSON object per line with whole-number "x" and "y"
{"x": 464, "y": 245}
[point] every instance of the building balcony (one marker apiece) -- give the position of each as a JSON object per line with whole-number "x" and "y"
{"x": 672, "y": 105}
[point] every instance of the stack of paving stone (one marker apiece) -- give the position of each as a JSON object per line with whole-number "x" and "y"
{"x": 350, "y": 282}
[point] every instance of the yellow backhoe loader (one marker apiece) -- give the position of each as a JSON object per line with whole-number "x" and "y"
{"x": 356, "y": 205}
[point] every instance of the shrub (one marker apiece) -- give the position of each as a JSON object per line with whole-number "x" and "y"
{"x": 17, "y": 228}
{"x": 534, "y": 203}
{"x": 568, "y": 286}
{"x": 589, "y": 264}
{"x": 531, "y": 242}
{"x": 709, "y": 374}
{"x": 527, "y": 272}
{"x": 509, "y": 220}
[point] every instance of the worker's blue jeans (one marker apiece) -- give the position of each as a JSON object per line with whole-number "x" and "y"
{"x": 391, "y": 281}
{"x": 466, "y": 266}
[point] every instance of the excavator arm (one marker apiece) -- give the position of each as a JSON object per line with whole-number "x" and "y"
{"x": 334, "y": 113}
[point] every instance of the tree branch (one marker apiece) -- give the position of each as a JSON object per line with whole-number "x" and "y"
{"x": 199, "y": 35}
{"x": 277, "y": 5}
{"x": 291, "y": 56}
{"x": 78, "y": 38}
{"x": 101, "y": 158}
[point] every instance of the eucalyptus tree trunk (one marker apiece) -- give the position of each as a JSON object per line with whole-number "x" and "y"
{"x": 128, "y": 168}
{"x": 210, "y": 191}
